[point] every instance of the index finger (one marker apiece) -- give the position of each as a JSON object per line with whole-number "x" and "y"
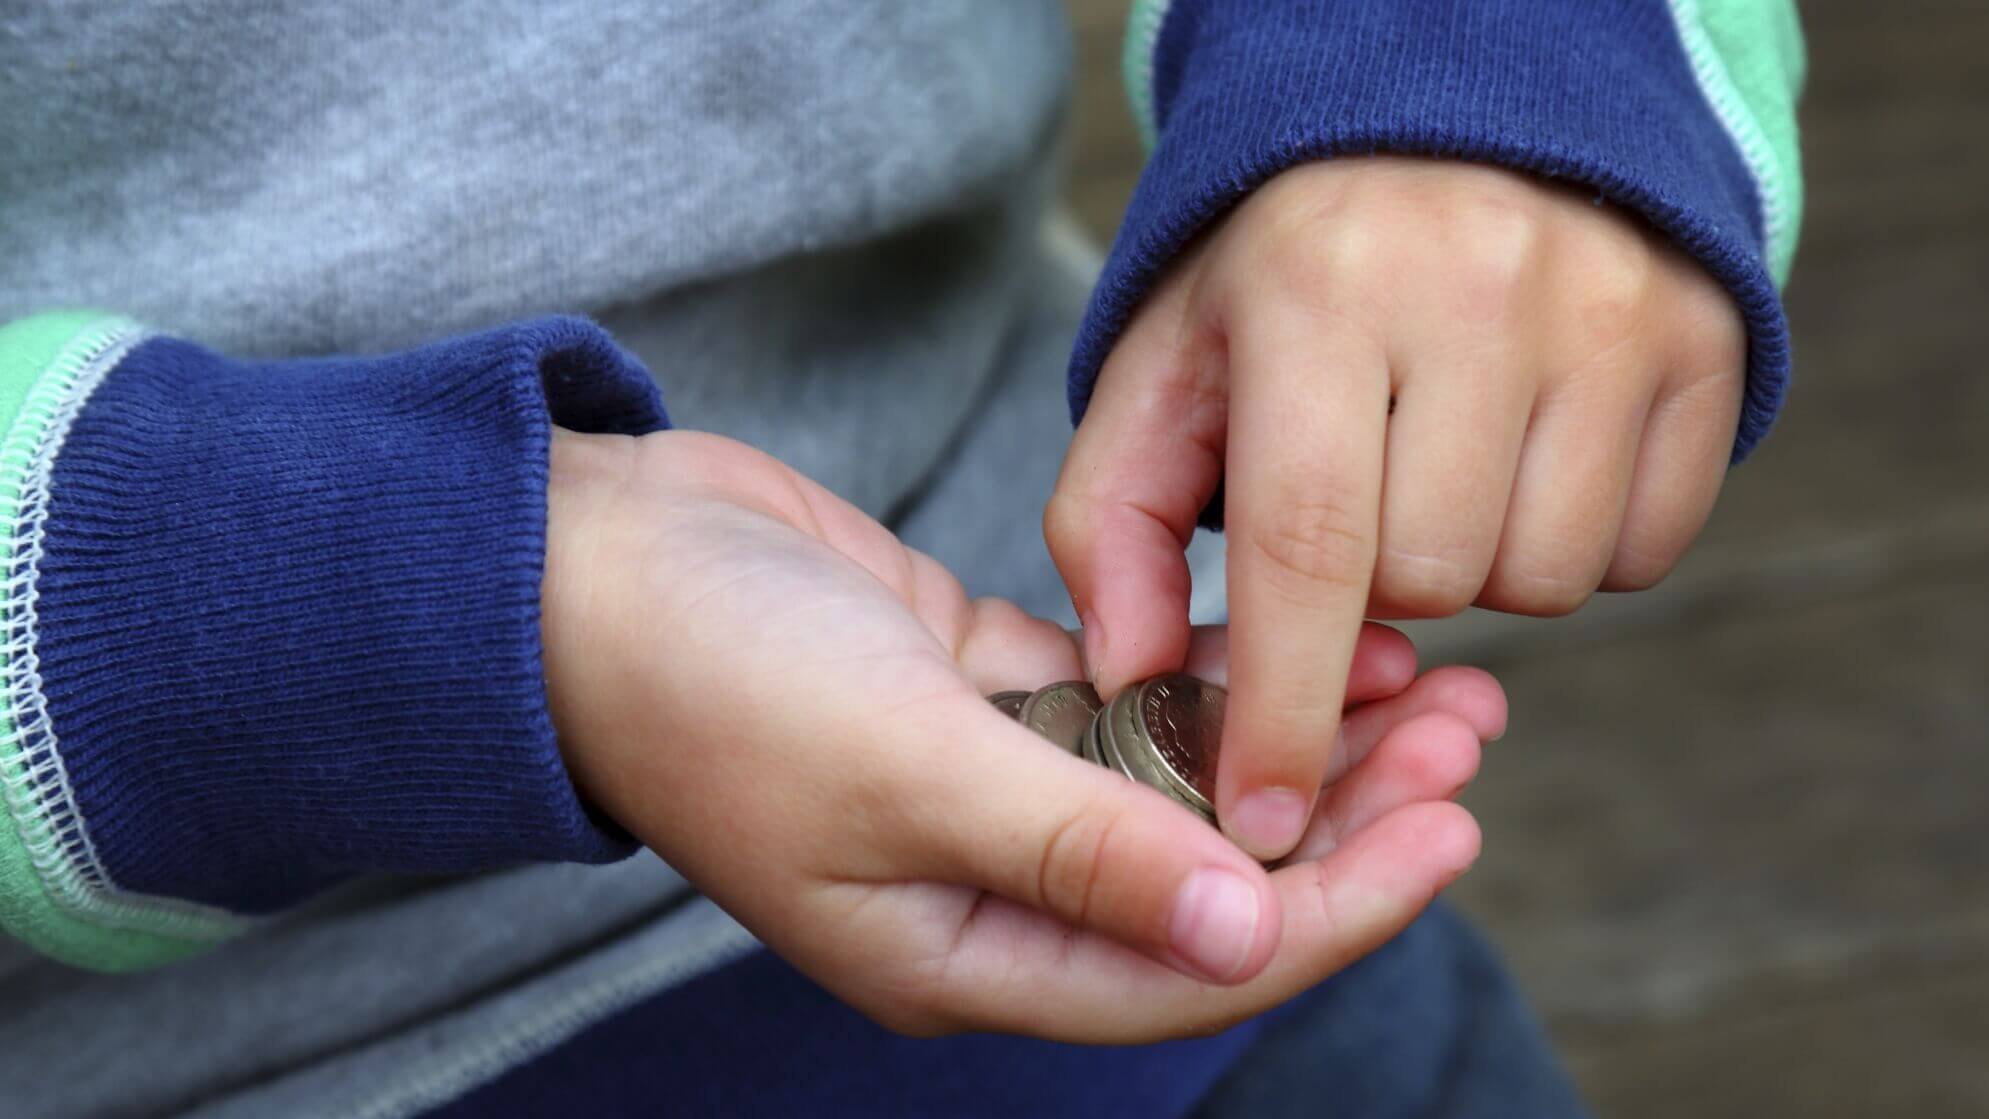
{"x": 1307, "y": 432}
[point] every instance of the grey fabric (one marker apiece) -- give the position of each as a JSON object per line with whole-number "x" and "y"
{"x": 857, "y": 366}
{"x": 378, "y": 960}
{"x": 982, "y": 515}
{"x": 818, "y": 223}
{"x": 292, "y": 176}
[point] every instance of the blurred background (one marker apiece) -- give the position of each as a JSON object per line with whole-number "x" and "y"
{"x": 1737, "y": 839}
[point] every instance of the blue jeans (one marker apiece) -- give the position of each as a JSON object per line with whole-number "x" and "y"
{"x": 1429, "y": 1026}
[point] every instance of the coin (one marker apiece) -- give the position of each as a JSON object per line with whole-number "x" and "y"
{"x": 1180, "y": 717}
{"x": 1164, "y": 733}
{"x": 1126, "y": 748}
{"x": 1121, "y": 736}
{"x": 1009, "y": 703}
{"x": 1109, "y": 749}
{"x": 1089, "y": 749}
{"x": 1062, "y": 713}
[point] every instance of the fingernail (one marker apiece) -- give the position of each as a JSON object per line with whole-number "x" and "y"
{"x": 1268, "y": 822}
{"x": 1094, "y": 644}
{"x": 1214, "y": 922}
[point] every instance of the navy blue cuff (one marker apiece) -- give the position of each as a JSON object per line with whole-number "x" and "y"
{"x": 289, "y": 611}
{"x": 1598, "y": 93}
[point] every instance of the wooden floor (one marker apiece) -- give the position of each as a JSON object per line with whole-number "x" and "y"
{"x": 1737, "y": 843}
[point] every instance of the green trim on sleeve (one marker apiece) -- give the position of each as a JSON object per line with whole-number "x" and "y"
{"x": 1749, "y": 58}
{"x": 55, "y": 895}
{"x": 1142, "y": 39}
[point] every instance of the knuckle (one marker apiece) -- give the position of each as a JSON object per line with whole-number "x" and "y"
{"x": 1544, "y": 593}
{"x": 1446, "y": 761}
{"x": 1067, "y": 523}
{"x": 1630, "y": 572}
{"x": 1712, "y": 337}
{"x": 1606, "y": 323}
{"x": 1643, "y": 559}
{"x": 1499, "y": 245}
{"x": 1703, "y": 312}
{"x": 1315, "y": 262}
{"x": 1355, "y": 248}
{"x": 1075, "y": 859}
{"x": 1610, "y": 292}
{"x": 1313, "y": 541}
{"x": 1702, "y": 398}
{"x": 1430, "y": 582}
{"x": 1287, "y": 718}
{"x": 1303, "y": 270}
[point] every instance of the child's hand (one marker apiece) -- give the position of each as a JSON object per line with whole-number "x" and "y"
{"x": 1426, "y": 384}
{"x": 786, "y": 703}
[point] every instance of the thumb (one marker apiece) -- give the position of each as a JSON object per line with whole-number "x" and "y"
{"x": 1018, "y": 817}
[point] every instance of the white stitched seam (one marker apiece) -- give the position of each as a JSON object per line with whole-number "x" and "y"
{"x": 33, "y": 779}
{"x": 1142, "y": 40}
{"x": 1717, "y": 86}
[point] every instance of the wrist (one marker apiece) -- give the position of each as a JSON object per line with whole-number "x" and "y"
{"x": 585, "y": 476}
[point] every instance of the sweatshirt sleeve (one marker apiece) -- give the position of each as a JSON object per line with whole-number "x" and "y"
{"x": 272, "y": 624}
{"x": 1681, "y": 111}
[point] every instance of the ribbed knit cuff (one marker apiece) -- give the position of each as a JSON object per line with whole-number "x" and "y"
{"x": 1599, "y": 93}
{"x": 288, "y": 613}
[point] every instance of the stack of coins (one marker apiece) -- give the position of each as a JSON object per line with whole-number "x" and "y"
{"x": 1164, "y": 732}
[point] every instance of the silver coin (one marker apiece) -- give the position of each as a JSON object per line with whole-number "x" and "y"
{"x": 1062, "y": 712}
{"x": 1126, "y": 745}
{"x": 1108, "y": 744}
{"x": 1113, "y": 742}
{"x": 1089, "y": 750}
{"x": 1180, "y": 719}
{"x": 1009, "y": 703}
{"x": 1121, "y": 736}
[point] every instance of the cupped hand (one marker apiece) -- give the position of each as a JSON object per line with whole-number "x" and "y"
{"x": 767, "y": 688}
{"x": 1421, "y": 385}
